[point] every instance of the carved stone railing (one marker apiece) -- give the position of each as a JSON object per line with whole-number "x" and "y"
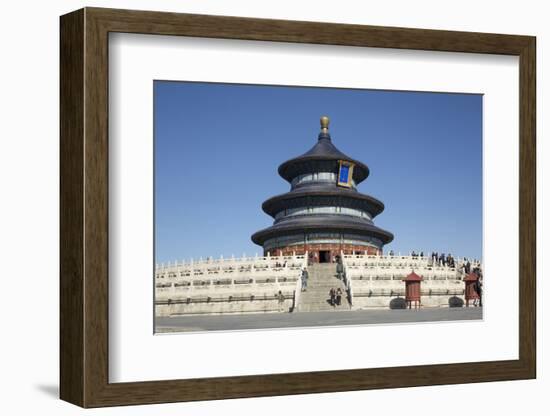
{"x": 386, "y": 267}
{"x": 347, "y": 280}
{"x": 230, "y": 266}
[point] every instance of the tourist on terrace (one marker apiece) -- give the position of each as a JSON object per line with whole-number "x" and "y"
{"x": 332, "y": 294}
{"x": 391, "y": 253}
{"x": 281, "y": 301}
{"x": 339, "y": 296}
{"x": 339, "y": 270}
{"x": 304, "y": 279}
{"x": 478, "y": 288}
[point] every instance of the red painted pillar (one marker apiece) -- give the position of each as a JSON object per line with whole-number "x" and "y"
{"x": 469, "y": 291}
{"x": 413, "y": 290}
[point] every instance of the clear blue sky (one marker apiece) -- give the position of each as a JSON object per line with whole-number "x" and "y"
{"x": 218, "y": 146}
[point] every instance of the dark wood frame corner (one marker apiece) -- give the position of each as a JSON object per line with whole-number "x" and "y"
{"x": 84, "y": 207}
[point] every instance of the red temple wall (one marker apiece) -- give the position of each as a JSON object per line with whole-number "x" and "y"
{"x": 314, "y": 249}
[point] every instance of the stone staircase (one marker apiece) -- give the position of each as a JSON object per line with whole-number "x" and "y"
{"x": 322, "y": 277}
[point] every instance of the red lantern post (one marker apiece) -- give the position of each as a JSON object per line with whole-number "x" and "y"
{"x": 469, "y": 288}
{"x": 412, "y": 290}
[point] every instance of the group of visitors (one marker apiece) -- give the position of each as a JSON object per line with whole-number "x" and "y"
{"x": 335, "y": 297}
{"x": 413, "y": 254}
{"x": 313, "y": 258}
{"x": 467, "y": 267}
{"x": 442, "y": 260}
{"x": 437, "y": 258}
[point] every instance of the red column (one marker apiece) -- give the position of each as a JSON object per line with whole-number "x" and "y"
{"x": 469, "y": 291}
{"x": 413, "y": 290}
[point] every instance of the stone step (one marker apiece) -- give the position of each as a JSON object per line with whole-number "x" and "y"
{"x": 320, "y": 299}
{"x": 324, "y": 283}
{"x": 322, "y": 278}
{"x": 323, "y": 304}
{"x": 317, "y": 308}
{"x": 317, "y": 295}
{"x": 336, "y": 283}
{"x": 318, "y": 304}
{"x": 328, "y": 279}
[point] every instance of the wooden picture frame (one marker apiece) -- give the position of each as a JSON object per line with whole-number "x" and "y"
{"x": 84, "y": 207}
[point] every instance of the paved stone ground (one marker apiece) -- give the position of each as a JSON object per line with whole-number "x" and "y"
{"x": 312, "y": 319}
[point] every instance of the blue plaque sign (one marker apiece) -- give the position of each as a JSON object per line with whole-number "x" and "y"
{"x": 345, "y": 174}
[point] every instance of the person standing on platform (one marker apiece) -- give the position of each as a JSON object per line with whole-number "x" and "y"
{"x": 332, "y": 294}
{"x": 338, "y": 296}
{"x": 339, "y": 269}
{"x": 304, "y": 279}
{"x": 281, "y": 301}
{"x": 478, "y": 288}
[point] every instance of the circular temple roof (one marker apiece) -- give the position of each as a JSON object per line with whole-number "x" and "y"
{"x": 321, "y": 223}
{"x": 279, "y": 202}
{"x": 322, "y": 157}
{"x": 323, "y": 150}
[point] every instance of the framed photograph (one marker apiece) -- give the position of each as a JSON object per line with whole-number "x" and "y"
{"x": 254, "y": 207}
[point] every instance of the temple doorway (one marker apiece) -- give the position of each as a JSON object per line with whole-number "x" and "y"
{"x": 324, "y": 256}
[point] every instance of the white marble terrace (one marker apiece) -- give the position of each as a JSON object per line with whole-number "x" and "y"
{"x": 374, "y": 281}
{"x": 251, "y": 284}
{"x": 228, "y": 285}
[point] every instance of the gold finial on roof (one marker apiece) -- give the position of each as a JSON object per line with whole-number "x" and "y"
{"x": 324, "y": 124}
